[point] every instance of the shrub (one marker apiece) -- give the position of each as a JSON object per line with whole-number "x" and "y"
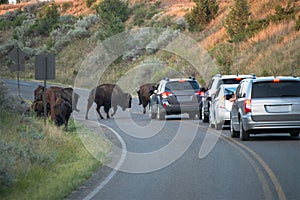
{"x": 78, "y": 32}
{"x": 108, "y": 8}
{"x": 67, "y": 19}
{"x": 202, "y": 14}
{"x": 282, "y": 13}
{"x": 237, "y": 20}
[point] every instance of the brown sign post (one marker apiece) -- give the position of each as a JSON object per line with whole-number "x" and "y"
{"x": 45, "y": 70}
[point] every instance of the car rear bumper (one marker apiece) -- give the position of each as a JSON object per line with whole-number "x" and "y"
{"x": 269, "y": 126}
{"x": 180, "y": 108}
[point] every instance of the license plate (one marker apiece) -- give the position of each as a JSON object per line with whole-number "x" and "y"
{"x": 278, "y": 108}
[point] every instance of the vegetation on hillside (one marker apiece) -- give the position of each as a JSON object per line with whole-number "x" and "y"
{"x": 240, "y": 37}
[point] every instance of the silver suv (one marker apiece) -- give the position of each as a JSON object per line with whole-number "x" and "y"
{"x": 264, "y": 105}
{"x": 213, "y": 86}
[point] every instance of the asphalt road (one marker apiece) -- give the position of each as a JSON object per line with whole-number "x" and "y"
{"x": 161, "y": 159}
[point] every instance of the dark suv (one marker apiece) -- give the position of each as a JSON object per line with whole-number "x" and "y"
{"x": 266, "y": 105}
{"x": 213, "y": 86}
{"x": 176, "y": 96}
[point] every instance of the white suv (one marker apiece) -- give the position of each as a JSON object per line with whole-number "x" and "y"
{"x": 213, "y": 86}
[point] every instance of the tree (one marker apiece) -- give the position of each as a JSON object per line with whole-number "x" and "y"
{"x": 4, "y": 2}
{"x": 113, "y": 14}
{"x": 117, "y": 8}
{"x": 202, "y": 14}
{"x": 237, "y": 20}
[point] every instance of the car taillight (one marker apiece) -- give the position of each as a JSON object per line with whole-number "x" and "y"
{"x": 247, "y": 106}
{"x": 166, "y": 94}
{"x": 199, "y": 92}
{"x": 276, "y": 80}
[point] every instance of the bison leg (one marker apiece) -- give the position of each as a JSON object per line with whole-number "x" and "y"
{"x": 145, "y": 103}
{"x": 98, "y": 111}
{"x": 106, "y": 109}
{"x": 89, "y": 105}
{"x": 115, "y": 108}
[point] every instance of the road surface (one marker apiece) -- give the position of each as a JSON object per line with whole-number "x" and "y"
{"x": 266, "y": 167}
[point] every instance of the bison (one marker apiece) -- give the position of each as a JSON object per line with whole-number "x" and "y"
{"x": 38, "y": 108}
{"x": 52, "y": 94}
{"x": 144, "y": 94}
{"x": 108, "y": 95}
{"x": 62, "y": 110}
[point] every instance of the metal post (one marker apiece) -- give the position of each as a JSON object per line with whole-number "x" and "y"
{"x": 18, "y": 72}
{"x": 45, "y": 103}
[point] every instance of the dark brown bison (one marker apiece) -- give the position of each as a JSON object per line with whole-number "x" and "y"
{"x": 52, "y": 94}
{"x": 108, "y": 95}
{"x": 62, "y": 110}
{"x": 69, "y": 95}
{"x": 38, "y": 108}
{"x": 144, "y": 94}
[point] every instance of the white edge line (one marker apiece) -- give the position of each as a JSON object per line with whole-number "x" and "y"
{"x": 116, "y": 168}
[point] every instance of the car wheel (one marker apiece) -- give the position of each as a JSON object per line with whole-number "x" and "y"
{"x": 218, "y": 126}
{"x": 233, "y": 133}
{"x": 160, "y": 115}
{"x": 192, "y": 115}
{"x": 294, "y": 133}
{"x": 152, "y": 113}
{"x": 244, "y": 134}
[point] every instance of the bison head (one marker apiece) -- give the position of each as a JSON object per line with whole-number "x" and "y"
{"x": 127, "y": 101}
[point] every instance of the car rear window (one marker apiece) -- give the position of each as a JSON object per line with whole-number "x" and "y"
{"x": 182, "y": 85}
{"x": 230, "y": 81}
{"x": 276, "y": 89}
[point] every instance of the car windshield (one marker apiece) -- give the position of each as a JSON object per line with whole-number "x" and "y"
{"x": 182, "y": 85}
{"x": 276, "y": 89}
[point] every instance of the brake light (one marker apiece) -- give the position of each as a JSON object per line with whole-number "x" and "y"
{"x": 199, "y": 92}
{"x": 238, "y": 78}
{"x": 247, "y": 106}
{"x": 276, "y": 80}
{"x": 166, "y": 94}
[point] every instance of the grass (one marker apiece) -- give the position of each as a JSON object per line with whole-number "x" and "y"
{"x": 47, "y": 163}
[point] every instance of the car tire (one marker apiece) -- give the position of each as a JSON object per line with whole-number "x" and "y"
{"x": 160, "y": 115}
{"x": 152, "y": 113}
{"x": 192, "y": 115}
{"x": 244, "y": 134}
{"x": 294, "y": 133}
{"x": 233, "y": 133}
{"x": 218, "y": 126}
{"x": 205, "y": 118}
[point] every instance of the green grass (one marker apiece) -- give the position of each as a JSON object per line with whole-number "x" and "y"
{"x": 47, "y": 163}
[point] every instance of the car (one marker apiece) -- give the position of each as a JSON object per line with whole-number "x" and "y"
{"x": 213, "y": 85}
{"x": 176, "y": 96}
{"x": 266, "y": 105}
{"x": 221, "y": 105}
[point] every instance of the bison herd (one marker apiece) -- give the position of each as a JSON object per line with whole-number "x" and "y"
{"x": 61, "y": 102}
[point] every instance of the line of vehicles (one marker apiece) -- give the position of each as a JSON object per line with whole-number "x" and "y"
{"x": 245, "y": 103}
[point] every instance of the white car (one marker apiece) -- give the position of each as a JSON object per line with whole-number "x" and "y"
{"x": 221, "y": 105}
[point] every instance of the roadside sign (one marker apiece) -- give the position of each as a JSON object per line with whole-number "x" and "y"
{"x": 17, "y": 55}
{"x": 17, "y": 67}
{"x": 45, "y": 70}
{"x": 45, "y": 67}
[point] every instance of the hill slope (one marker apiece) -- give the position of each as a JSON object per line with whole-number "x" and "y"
{"x": 272, "y": 50}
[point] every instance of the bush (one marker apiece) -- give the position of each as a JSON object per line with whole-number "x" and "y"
{"x": 202, "y": 14}
{"x": 79, "y": 33}
{"x": 237, "y": 20}
{"x": 89, "y": 3}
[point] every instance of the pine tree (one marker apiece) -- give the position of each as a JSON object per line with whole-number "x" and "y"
{"x": 238, "y": 20}
{"x": 202, "y": 14}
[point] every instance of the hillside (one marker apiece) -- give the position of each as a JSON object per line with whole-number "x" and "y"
{"x": 270, "y": 50}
